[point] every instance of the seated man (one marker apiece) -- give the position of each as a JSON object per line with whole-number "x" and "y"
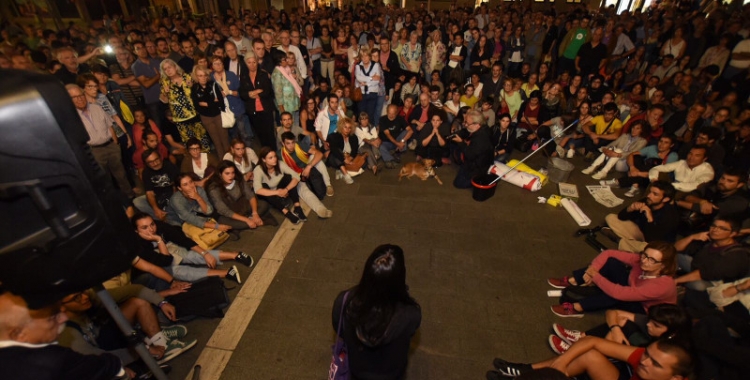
{"x": 27, "y": 340}
{"x": 653, "y": 218}
{"x": 394, "y": 133}
{"x": 715, "y": 259}
{"x": 308, "y": 163}
{"x": 640, "y": 162}
{"x": 688, "y": 173}
{"x": 150, "y": 141}
{"x": 159, "y": 181}
{"x": 725, "y": 197}
{"x": 601, "y": 130}
{"x": 91, "y": 331}
{"x": 708, "y": 136}
{"x": 664, "y": 359}
{"x": 165, "y": 249}
{"x": 303, "y": 136}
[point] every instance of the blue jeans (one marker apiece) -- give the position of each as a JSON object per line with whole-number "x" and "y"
{"x": 141, "y": 203}
{"x": 241, "y": 129}
{"x": 387, "y": 146}
{"x": 190, "y": 272}
{"x": 368, "y": 104}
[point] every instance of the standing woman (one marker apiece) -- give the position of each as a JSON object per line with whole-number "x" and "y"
{"x": 327, "y": 57}
{"x": 276, "y": 183}
{"x": 480, "y": 56}
{"x": 176, "y": 90}
{"x": 517, "y": 46}
{"x": 340, "y": 50}
{"x": 286, "y": 89}
{"x": 411, "y": 55}
{"x": 378, "y": 317}
{"x": 209, "y": 102}
{"x": 307, "y": 119}
{"x": 675, "y": 45}
{"x": 229, "y": 83}
{"x": 435, "y": 53}
{"x": 257, "y": 92}
{"x": 367, "y": 78}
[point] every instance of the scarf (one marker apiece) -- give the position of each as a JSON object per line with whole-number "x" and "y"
{"x": 287, "y": 72}
{"x": 301, "y": 154}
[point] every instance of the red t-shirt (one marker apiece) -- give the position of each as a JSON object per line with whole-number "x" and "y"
{"x": 635, "y": 360}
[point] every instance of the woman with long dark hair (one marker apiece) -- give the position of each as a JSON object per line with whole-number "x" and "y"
{"x": 234, "y": 200}
{"x": 276, "y": 183}
{"x": 379, "y": 317}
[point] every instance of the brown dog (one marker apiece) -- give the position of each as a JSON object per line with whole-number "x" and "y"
{"x": 423, "y": 170}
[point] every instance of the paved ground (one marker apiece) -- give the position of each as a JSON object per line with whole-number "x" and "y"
{"x": 478, "y": 271}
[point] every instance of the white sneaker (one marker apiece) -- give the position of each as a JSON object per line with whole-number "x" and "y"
{"x": 571, "y": 152}
{"x": 358, "y": 172}
{"x": 588, "y": 170}
{"x": 339, "y": 175}
{"x": 348, "y": 179}
{"x": 632, "y": 192}
{"x": 412, "y": 145}
{"x": 600, "y": 175}
{"x": 609, "y": 182}
{"x": 176, "y": 347}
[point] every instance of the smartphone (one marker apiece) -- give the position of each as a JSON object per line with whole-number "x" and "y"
{"x": 108, "y": 49}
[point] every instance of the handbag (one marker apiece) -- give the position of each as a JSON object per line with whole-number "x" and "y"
{"x": 357, "y": 163}
{"x": 356, "y": 91}
{"x": 227, "y": 117}
{"x": 206, "y": 238}
{"x": 339, "y": 369}
{"x": 127, "y": 114}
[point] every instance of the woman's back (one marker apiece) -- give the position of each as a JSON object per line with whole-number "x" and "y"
{"x": 385, "y": 357}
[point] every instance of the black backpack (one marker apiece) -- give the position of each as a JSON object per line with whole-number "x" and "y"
{"x": 206, "y": 298}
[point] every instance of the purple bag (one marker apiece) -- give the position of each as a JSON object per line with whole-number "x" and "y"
{"x": 339, "y": 369}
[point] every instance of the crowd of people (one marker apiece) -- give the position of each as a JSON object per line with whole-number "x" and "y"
{"x": 210, "y": 122}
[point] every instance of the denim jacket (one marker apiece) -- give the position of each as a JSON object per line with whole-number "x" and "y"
{"x": 189, "y": 210}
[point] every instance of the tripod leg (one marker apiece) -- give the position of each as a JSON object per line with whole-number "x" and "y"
{"x": 129, "y": 332}
{"x": 591, "y": 240}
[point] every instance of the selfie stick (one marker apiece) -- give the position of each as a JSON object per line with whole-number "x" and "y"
{"x": 532, "y": 153}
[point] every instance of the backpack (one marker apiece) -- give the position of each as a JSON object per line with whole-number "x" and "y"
{"x": 206, "y": 298}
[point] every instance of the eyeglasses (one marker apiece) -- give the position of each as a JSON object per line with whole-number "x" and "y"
{"x": 155, "y": 160}
{"x": 649, "y": 259}
{"x": 78, "y": 96}
{"x": 78, "y": 298}
{"x": 720, "y": 228}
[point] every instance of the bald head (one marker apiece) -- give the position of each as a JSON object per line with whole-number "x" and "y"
{"x": 19, "y": 323}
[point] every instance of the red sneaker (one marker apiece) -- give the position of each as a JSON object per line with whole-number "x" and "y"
{"x": 559, "y": 283}
{"x": 566, "y": 310}
{"x": 569, "y": 336}
{"x": 558, "y": 345}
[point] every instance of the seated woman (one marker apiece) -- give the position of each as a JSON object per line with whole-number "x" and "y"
{"x": 575, "y": 140}
{"x": 528, "y": 116}
{"x": 431, "y": 140}
{"x": 202, "y": 165}
{"x": 663, "y": 320}
{"x": 369, "y": 142}
{"x": 243, "y": 157}
{"x": 344, "y": 146}
{"x": 235, "y": 202}
{"x": 624, "y": 280}
{"x": 276, "y": 183}
{"x": 503, "y": 138}
{"x": 190, "y": 204}
{"x": 619, "y": 150}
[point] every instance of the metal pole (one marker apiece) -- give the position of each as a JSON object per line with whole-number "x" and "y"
{"x": 130, "y": 334}
{"x": 532, "y": 153}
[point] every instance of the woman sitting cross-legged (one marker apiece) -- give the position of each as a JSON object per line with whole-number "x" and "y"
{"x": 619, "y": 150}
{"x": 235, "y": 202}
{"x": 343, "y": 155}
{"x": 620, "y": 280}
{"x": 276, "y": 183}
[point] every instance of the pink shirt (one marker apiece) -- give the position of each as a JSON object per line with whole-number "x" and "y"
{"x": 648, "y": 291}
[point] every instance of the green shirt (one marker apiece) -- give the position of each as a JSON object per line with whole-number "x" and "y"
{"x": 579, "y": 38}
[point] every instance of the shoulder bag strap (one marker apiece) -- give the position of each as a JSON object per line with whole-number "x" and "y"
{"x": 609, "y": 125}
{"x": 341, "y": 314}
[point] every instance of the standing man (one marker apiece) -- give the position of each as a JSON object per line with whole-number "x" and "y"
{"x": 146, "y": 71}
{"x": 571, "y": 43}
{"x": 287, "y": 47}
{"x": 102, "y": 138}
{"x": 591, "y": 55}
{"x": 243, "y": 43}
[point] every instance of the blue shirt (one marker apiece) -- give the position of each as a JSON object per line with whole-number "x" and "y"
{"x": 334, "y": 120}
{"x": 150, "y": 69}
{"x": 651, "y": 152}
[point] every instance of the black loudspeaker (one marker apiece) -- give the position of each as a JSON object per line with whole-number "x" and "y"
{"x": 62, "y": 223}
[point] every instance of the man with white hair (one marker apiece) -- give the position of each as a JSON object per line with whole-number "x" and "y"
{"x": 28, "y": 349}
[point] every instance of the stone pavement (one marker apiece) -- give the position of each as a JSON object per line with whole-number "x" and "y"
{"x": 478, "y": 271}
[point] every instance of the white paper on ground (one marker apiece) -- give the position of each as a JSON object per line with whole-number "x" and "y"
{"x": 575, "y": 212}
{"x": 604, "y": 195}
